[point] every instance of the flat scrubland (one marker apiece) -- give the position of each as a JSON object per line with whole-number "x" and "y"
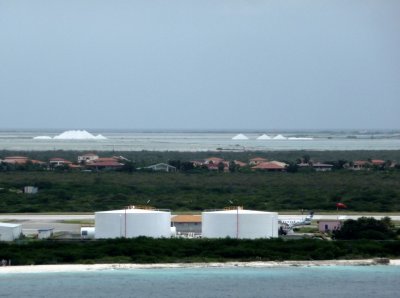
{"x": 363, "y": 191}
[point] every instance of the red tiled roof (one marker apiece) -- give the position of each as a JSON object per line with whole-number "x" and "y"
{"x": 72, "y": 166}
{"x": 37, "y": 162}
{"x": 258, "y": 159}
{"x": 215, "y": 159}
{"x": 106, "y": 159}
{"x": 58, "y": 159}
{"x": 212, "y": 166}
{"x": 16, "y": 159}
{"x": 186, "y": 218}
{"x": 377, "y": 162}
{"x": 240, "y": 163}
{"x": 268, "y": 166}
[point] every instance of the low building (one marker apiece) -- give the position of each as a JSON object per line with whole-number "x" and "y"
{"x": 45, "y": 233}
{"x": 326, "y": 226}
{"x": 271, "y": 166}
{"x": 359, "y": 165}
{"x": 58, "y": 162}
{"x": 104, "y": 164}
{"x": 187, "y": 224}
{"x": 162, "y": 167}
{"x": 378, "y": 162}
{"x": 9, "y": 231}
{"x": 16, "y": 160}
{"x": 322, "y": 167}
{"x": 257, "y": 160}
{"x": 87, "y": 158}
{"x": 197, "y": 163}
{"x": 31, "y": 189}
{"x": 213, "y": 160}
{"x": 240, "y": 164}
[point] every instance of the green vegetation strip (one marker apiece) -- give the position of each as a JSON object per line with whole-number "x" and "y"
{"x": 370, "y": 191}
{"x": 147, "y": 250}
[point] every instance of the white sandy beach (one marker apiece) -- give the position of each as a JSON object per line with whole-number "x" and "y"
{"x": 99, "y": 267}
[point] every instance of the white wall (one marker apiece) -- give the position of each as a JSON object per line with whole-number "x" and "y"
{"x": 8, "y": 233}
{"x": 132, "y": 224}
{"x": 240, "y": 225}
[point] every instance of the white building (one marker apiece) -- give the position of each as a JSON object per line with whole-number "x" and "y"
{"x": 30, "y": 190}
{"x": 239, "y": 223}
{"x": 130, "y": 223}
{"x": 9, "y": 232}
{"x": 162, "y": 167}
{"x": 45, "y": 233}
{"x": 89, "y": 157}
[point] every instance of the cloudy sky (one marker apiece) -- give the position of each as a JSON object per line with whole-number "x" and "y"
{"x": 200, "y": 64}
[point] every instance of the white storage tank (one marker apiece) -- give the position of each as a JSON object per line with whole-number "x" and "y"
{"x": 130, "y": 223}
{"x": 239, "y": 223}
{"x": 87, "y": 232}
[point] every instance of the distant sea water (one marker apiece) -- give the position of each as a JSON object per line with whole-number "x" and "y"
{"x": 308, "y": 282}
{"x": 202, "y": 141}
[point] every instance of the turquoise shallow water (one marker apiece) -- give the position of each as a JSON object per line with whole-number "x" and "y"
{"x": 310, "y": 282}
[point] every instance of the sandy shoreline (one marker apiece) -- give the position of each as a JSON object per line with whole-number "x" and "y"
{"x": 99, "y": 267}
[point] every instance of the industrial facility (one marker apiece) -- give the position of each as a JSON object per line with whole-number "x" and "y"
{"x": 133, "y": 222}
{"x": 237, "y": 223}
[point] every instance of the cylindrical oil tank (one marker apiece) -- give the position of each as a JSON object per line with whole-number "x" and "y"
{"x": 87, "y": 232}
{"x": 173, "y": 231}
{"x": 130, "y": 223}
{"x": 241, "y": 224}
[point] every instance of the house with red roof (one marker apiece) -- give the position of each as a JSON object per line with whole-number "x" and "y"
{"x": 240, "y": 164}
{"x": 257, "y": 160}
{"x": 213, "y": 160}
{"x": 16, "y": 160}
{"x": 104, "y": 163}
{"x": 58, "y": 161}
{"x": 271, "y": 166}
{"x": 377, "y": 162}
{"x": 359, "y": 165}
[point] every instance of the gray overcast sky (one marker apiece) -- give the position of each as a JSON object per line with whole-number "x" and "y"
{"x": 200, "y": 64}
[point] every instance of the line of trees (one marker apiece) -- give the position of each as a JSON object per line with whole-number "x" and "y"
{"x": 367, "y": 228}
{"x": 148, "y": 250}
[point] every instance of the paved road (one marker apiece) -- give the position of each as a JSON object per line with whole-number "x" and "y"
{"x": 46, "y": 217}
{"x": 63, "y": 217}
{"x": 32, "y": 222}
{"x": 337, "y": 216}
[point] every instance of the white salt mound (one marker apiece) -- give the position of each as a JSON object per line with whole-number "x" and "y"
{"x": 264, "y": 137}
{"x": 240, "y": 137}
{"x": 78, "y": 135}
{"x": 42, "y": 138}
{"x": 279, "y": 137}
